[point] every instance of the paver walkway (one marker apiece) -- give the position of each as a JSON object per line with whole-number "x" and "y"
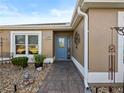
{"x": 63, "y": 78}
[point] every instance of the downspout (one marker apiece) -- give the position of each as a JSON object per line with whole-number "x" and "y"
{"x": 85, "y": 50}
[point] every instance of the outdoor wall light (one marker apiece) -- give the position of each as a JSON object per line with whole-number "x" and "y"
{"x": 120, "y": 30}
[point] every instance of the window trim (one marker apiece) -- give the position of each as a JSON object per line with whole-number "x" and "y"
{"x": 26, "y": 33}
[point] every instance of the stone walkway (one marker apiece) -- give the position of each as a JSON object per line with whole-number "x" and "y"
{"x": 63, "y": 78}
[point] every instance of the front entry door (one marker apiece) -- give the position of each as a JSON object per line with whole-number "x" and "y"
{"x": 61, "y": 48}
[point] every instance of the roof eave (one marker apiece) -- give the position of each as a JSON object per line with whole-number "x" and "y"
{"x": 86, "y": 4}
{"x": 68, "y": 28}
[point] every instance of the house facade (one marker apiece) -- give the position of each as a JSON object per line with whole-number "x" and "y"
{"x": 85, "y": 40}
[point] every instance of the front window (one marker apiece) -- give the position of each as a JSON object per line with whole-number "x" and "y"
{"x": 26, "y": 44}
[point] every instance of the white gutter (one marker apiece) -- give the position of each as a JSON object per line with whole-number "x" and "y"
{"x": 85, "y": 45}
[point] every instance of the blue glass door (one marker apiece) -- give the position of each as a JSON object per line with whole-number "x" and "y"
{"x": 61, "y": 48}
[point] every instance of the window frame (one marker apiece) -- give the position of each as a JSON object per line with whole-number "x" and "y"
{"x": 26, "y": 33}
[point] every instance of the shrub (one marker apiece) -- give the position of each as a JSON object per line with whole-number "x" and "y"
{"x": 39, "y": 58}
{"x": 20, "y": 61}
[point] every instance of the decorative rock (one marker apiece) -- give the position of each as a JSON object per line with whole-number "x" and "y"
{"x": 26, "y": 75}
{"x": 39, "y": 68}
{"x": 10, "y": 75}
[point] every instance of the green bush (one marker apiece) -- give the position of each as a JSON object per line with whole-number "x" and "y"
{"x": 20, "y": 61}
{"x": 39, "y": 58}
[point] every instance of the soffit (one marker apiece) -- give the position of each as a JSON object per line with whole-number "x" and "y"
{"x": 102, "y": 4}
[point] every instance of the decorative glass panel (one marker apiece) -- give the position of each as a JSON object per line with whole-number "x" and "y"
{"x": 32, "y": 39}
{"x": 20, "y": 49}
{"x": 20, "y": 39}
{"x": 61, "y": 43}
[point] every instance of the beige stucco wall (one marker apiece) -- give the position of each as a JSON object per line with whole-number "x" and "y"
{"x": 100, "y": 22}
{"x": 6, "y": 41}
{"x": 47, "y": 41}
{"x": 78, "y": 52}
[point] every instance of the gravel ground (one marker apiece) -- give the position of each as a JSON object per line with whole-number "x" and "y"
{"x": 102, "y": 89}
{"x": 11, "y": 75}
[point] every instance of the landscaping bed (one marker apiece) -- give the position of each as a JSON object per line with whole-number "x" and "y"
{"x": 107, "y": 89}
{"x": 12, "y": 78}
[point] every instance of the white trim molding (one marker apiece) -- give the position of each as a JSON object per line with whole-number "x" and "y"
{"x": 12, "y": 40}
{"x": 49, "y": 60}
{"x": 82, "y": 70}
{"x": 79, "y": 66}
{"x": 102, "y": 77}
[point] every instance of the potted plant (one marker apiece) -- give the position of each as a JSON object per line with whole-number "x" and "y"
{"x": 38, "y": 60}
